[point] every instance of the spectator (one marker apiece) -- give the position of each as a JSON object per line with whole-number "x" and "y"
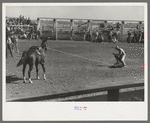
{"x": 9, "y": 45}
{"x": 135, "y": 37}
{"x": 38, "y": 33}
{"x": 140, "y": 37}
{"x": 97, "y": 34}
{"x": 14, "y": 40}
{"x": 143, "y": 36}
{"x": 71, "y": 34}
{"x": 129, "y": 38}
{"x": 110, "y": 36}
{"x": 21, "y": 20}
{"x": 85, "y": 34}
{"x": 31, "y": 33}
{"x": 28, "y": 21}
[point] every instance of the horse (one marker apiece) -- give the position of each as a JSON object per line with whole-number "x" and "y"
{"x": 35, "y": 55}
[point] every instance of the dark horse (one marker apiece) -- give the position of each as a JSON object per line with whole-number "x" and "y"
{"x": 34, "y": 55}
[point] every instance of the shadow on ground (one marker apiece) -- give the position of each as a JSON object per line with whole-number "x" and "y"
{"x": 110, "y": 66}
{"x": 12, "y": 79}
{"x": 115, "y": 66}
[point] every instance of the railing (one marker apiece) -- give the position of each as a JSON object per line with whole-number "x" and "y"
{"x": 112, "y": 89}
{"x": 88, "y": 24}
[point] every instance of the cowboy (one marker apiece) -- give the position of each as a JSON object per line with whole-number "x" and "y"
{"x": 44, "y": 43}
{"x": 71, "y": 34}
{"x": 9, "y": 44}
{"x": 140, "y": 36}
{"x": 100, "y": 36}
{"x": 110, "y": 36}
{"x": 135, "y": 37}
{"x": 120, "y": 57}
{"x": 129, "y": 38}
{"x": 97, "y": 34}
{"x": 14, "y": 40}
{"x": 85, "y": 34}
{"x": 38, "y": 33}
{"x": 31, "y": 33}
{"x": 44, "y": 46}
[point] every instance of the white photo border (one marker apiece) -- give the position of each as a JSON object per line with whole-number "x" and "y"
{"x": 63, "y": 111}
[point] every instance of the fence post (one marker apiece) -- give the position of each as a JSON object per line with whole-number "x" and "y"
{"x": 71, "y": 29}
{"x": 122, "y": 30}
{"x": 55, "y": 28}
{"x": 113, "y": 95}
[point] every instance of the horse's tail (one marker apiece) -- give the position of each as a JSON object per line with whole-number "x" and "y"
{"x": 22, "y": 60}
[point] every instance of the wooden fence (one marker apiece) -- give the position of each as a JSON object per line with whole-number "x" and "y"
{"x": 85, "y": 24}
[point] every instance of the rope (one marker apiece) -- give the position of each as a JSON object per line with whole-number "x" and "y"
{"x": 74, "y": 55}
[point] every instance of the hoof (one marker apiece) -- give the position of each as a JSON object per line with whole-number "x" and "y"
{"x": 44, "y": 77}
{"x": 24, "y": 81}
{"x": 38, "y": 78}
{"x": 30, "y": 81}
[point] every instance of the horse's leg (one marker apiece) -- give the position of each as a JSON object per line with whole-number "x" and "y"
{"x": 44, "y": 76}
{"x": 29, "y": 72}
{"x": 37, "y": 70}
{"x": 23, "y": 71}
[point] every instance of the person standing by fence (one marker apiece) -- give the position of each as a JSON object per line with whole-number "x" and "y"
{"x": 129, "y": 38}
{"x": 9, "y": 45}
{"x": 31, "y": 33}
{"x": 140, "y": 37}
{"x": 135, "y": 37}
{"x": 96, "y": 36}
{"x": 71, "y": 35}
{"x": 38, "y": 33}
{"x": 85, "y": 34}
{"x": 14, "y": 40}
{"x": 110, "y": 36}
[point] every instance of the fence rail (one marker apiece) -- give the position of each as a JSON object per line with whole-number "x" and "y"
{"x": 111, "y": 88}
{"x": 88, "y": 25}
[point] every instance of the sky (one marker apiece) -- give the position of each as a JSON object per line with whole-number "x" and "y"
{"x": 78, "y": 12}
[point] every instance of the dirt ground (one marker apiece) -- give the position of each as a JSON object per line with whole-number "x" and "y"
{"x": 73, "y": 66}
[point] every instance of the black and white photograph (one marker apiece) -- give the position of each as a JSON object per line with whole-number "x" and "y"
{"x": 68, "y": 61}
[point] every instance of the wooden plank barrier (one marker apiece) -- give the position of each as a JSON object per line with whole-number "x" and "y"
{"x": 112, "y": 89}
{"x": 89, "y": 25}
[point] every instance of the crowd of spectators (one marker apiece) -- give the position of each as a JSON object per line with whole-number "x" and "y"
{"x": 21, "y": 20}
{"x": 23, "y": 27}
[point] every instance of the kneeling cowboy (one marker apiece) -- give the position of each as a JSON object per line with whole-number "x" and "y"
{"x": 120, "y": 57}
